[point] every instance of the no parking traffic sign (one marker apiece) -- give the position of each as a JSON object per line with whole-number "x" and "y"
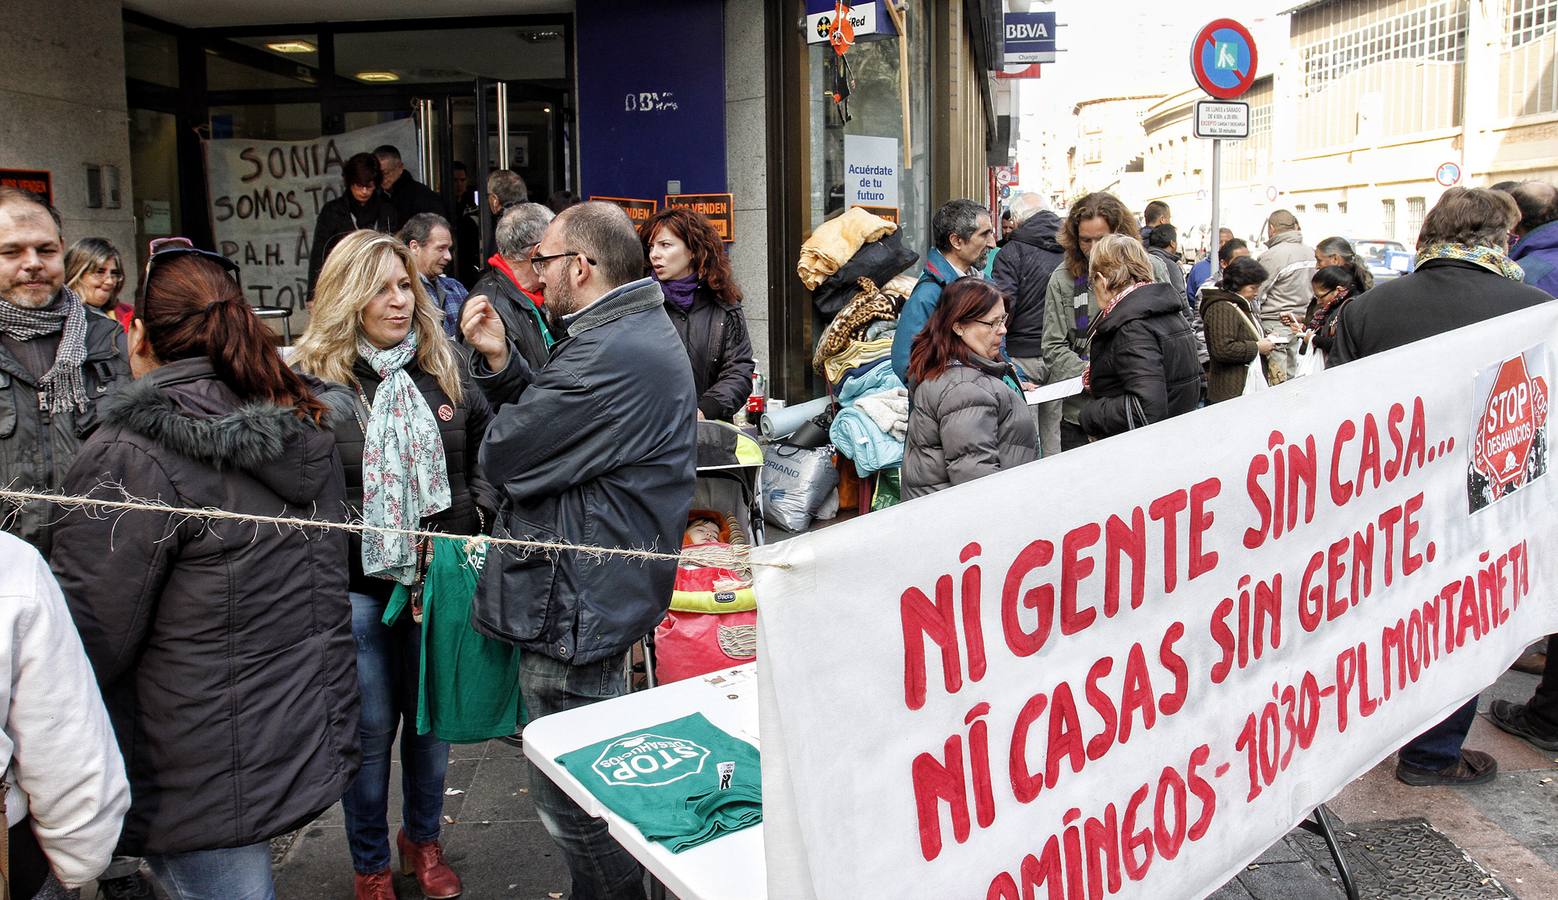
{"x": 1222, "y": 59}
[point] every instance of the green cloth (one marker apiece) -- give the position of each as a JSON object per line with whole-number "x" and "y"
{"x": 682, "y": 783}
{"x": 468, "y": 684}
{"x": 889, "y": 489}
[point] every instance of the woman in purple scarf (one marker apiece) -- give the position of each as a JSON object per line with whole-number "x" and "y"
{"x": 688, "y": 259}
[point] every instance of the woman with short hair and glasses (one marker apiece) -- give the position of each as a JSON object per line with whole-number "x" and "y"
{"x": 95, "y": 271}
{"x": 223, "y": 650}
{"x": 967, "y": 418}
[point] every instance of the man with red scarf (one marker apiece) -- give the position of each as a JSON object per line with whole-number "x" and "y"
{"x": 513, "y": 286}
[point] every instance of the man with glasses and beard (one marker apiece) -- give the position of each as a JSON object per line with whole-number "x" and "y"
{"x": 596, "y": 448}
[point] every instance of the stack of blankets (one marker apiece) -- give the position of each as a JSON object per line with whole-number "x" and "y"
{"x": 845, "y": 249}
{"x": 855, "y": 355}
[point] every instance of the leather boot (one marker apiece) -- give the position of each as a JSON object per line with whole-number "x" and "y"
{"x": 426, "y": 861}
{"x": 378, "y": 886}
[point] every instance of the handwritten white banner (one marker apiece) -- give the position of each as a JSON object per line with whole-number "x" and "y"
{"x": 266, "y": 197}
{"x": 1127, "y": 670}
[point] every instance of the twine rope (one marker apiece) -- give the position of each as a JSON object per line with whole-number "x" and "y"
{"x": 734, "y": 556}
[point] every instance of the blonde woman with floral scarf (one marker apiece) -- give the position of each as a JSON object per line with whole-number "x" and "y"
{"x": 408, "y": 425}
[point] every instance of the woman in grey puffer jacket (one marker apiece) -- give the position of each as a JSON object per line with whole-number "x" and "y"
{"x": 967, "y": 418}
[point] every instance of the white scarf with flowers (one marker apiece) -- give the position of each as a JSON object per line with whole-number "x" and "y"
{"x": 404, "y": 473}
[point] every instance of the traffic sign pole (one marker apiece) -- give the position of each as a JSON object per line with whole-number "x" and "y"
{"x": 1217, "y": 200}
{"x": 1222, "y": 50}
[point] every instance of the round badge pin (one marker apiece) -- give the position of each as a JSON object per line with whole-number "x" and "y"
{"x": 446, "y": 412}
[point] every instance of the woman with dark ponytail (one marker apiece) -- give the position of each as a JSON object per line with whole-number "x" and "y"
{"x": 224, "y": 649}
{"x": 1334, "y": 287}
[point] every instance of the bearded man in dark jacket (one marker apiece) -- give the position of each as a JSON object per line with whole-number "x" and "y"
{"x": 1021, "y": 271}
{"x": 56, "y": 362}
{"x": 597, "y": 448}
{"x": 1463, "y": 276}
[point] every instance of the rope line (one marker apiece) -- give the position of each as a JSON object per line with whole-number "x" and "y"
{"x": 734, "y": 556}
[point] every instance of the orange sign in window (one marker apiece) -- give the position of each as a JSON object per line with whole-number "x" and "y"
{"x": 639, "y": 211}
{"x": 719, "y": 209}
{"x": 890, "y": 213}
{"x": 38, "y": 181}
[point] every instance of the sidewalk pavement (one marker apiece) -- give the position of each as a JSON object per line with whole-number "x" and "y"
{"x": 1492, "y": 841}
{"x": 1489, "y": 841}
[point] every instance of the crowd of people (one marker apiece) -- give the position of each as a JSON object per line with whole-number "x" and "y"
{"x": 1113, "y": 314}
{"x": 222, "y": 684}
{"x": 210, "y": 684}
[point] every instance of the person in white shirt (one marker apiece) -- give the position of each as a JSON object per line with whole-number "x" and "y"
{"x": 65, "y": 787}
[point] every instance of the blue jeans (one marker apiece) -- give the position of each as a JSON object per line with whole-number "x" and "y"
{"x": 387, "y": 671}
{"x": 600, "y": 868}
{"x": 1440, "y": 746}
{"x": 232, "y": 873}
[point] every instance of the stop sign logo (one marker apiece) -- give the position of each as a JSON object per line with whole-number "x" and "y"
{"x": 1517, "y": 407}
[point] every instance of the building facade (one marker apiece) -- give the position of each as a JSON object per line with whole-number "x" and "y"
{"x": 126, "y": 105}
{"x": 1372, "y": 109}
{"x": 1108, "y": 151}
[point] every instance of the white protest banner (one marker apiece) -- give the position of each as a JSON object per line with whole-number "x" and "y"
{"x": 1127, "y": 670}
{"x": 266, "y": 197}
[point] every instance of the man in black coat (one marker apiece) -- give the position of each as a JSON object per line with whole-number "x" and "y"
{"x": 408, "y": 195}
{"x": 597, "y": 448}
{"x": 1442, "y": 294}
{"x": 1021, "y": 271}
{"x": 1462, "y": 277}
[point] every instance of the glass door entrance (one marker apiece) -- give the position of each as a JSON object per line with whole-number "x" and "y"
{"x": 484, "y": 93}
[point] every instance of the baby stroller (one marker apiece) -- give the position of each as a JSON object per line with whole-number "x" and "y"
{"x": 712, "y": 622}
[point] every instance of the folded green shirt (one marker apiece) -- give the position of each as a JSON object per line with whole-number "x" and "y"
{"x": 682, "y": 783}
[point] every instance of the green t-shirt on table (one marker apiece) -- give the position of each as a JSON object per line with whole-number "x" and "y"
{"x": 681, "y": 783}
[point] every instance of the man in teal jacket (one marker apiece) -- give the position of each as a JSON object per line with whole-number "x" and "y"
{"x": 963, "y": 233}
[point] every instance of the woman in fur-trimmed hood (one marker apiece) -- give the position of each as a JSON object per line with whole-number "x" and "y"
{"x": 224, "y": 650}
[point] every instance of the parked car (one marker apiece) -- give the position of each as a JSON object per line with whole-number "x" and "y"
{"x": 1385, "y": 259}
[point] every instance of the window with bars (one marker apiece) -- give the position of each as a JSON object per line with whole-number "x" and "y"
{"x": 1387, "y": 218}
{"x": 1416, "y": 208}
{"x": 1528, "y": 79}
{"x": 1260, "y": 117}
{"x": 1531, "y": 20}
{"x": 1436, "y": 32}
{"x": 1341, "y": 207}
{"x": 1322, "y": 209}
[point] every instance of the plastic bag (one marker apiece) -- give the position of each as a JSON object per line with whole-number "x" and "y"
{"x": 796, "y": 482}
{"x": 829, "y": 508}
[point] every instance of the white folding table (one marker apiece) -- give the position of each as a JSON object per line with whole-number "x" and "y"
{"x": 730, "y": 867}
